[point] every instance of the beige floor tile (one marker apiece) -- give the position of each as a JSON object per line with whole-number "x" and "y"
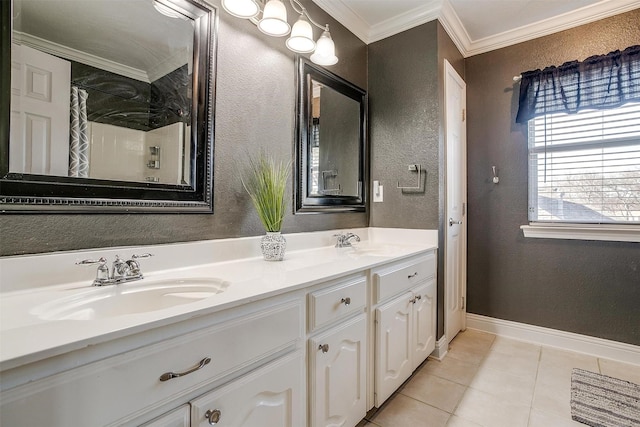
{"x": 456, "y": 421}
{"x": 543, "y": 419}
{"x": 403, "y": 411}
{"x": 523, "y": 364}
{"x": 477, "y": 338}
{"x": 490, "y": 411}
{"x": 505, "y": 385}
{"x": 436, "y": 391}
{"x": 516, "y": 348}
{"x": 623, "y": 371}
{"x": 452, "y": 369}
{"x": 561, "y": 360}
{"x": 470, "y": 347}
{"x": 552, "y": 395}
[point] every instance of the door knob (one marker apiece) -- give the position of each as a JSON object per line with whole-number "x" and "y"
{"x": 451, "y": 222}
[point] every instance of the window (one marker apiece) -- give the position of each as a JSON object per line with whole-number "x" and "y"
{"x": 585, "y": 167}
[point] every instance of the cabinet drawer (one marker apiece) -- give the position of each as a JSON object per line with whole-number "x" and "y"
{"x": 269, "y": 396}
{"x": 123, "y": 387}
{"x": 335, "y": 302}
{"x": 392, "y": 280}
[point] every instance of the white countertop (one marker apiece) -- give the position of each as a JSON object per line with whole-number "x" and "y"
{"x": 26, "y": 337}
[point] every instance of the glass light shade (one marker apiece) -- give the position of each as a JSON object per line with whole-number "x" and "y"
{"x": 325, "y": 53}
{"x": 166, "y": 10}
{"x": 301, "y": 39}
{"x": 245, "y": 9}
{"x": 274, "y": 19}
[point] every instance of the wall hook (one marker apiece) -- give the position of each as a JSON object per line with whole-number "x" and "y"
{"x": 496, "y": 178}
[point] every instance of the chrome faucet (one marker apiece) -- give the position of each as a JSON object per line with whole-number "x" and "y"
{"x": 344, "y": 240}
{"x": 121, "y": 271}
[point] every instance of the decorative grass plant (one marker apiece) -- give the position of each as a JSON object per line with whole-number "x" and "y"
{"x": 266, "y": 183}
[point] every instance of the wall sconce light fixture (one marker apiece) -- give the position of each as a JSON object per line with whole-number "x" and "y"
{"x": 274, "y": 23}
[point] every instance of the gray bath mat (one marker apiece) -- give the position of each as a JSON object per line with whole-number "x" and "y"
{"x": 602, "y": 401}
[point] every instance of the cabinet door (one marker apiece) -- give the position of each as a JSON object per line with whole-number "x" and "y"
{"x": 270, "y": 396}
{"x": 337, "y": 375}
{"x": 393, "y": 346}
{"x": 177, "y": 418}
{"x": 424, "y": 322}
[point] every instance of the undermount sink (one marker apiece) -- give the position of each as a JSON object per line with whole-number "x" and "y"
{"x": 132, "y": 298}
{"x": 374, "y": 251}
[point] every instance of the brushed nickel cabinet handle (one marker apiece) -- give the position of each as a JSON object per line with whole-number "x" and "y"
{"x": 213, "y": 417}
{"x": 412, "y": 275}
{"x": 346, "y": 301}
{"x": 169, "y": 375}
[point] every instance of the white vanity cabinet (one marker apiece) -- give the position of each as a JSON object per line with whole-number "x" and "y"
{"x": 405, "y": 323}
{"x": 180, "y": 417}
{"x": 338, "y": 355}
{"x": 121, "y": 389}
{"x": 270, "y": 396}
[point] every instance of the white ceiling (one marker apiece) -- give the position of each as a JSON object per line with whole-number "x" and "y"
{"x": 475, "y": 26}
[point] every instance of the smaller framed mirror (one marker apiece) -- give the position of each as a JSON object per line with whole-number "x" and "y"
{"x": 331, "y": 144}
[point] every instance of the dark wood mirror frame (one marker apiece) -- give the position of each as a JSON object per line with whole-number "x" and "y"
{"x": 304, "y": 203}
{"x": 27, "y": 193}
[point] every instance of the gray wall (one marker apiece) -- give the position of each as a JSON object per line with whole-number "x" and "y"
{"x": 587, "y": 287}
{"x": 255, "y": 106}
{"x": 406, "y": 110}
{"x": 404, "y": 121}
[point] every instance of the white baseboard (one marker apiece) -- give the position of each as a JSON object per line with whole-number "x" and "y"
{"x": 442, "y": 347}
{"x": 554, "y": 338}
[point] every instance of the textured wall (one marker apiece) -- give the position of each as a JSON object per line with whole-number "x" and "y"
{"x": 255, "y": 106}
{"x": 406, "y": 101}
{"x": 404, "y": 120}
{"x": 585, "y": 287}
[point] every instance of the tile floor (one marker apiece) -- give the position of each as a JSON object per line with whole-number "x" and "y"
{"x": 491, "y": 381}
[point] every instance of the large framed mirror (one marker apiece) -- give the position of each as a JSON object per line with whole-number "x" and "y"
{"x": 107, "y": 105}
{"x": 331, "y": 147}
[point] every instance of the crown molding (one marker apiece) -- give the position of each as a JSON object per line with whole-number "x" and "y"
{"x": 454, "y": 27}
{"x": 575, "y": 18}
{"x": 405, "y": 21}
{"x": 66, "y": 52}
{"x": 347, "y": 17}
{"x": 444, "y": 12}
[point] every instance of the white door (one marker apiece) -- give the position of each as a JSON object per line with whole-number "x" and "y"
{"x": 40, "y": 98}
{"x": 270, "y": 396}
{"x": 456, "y": 178}
{"x": 424, "y": 322}
{"x": 338, "y": 375}
{"x": 393, "y": 346}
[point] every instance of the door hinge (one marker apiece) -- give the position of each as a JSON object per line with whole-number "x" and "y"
{"x": 464, "y": 114}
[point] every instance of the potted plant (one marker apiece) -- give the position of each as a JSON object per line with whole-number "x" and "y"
{"x": 266, "y": 183}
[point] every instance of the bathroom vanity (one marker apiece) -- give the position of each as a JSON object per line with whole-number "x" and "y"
{"x": 214, "y": 335}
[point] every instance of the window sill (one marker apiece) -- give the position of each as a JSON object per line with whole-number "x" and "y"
{"x": 612, "y": 233}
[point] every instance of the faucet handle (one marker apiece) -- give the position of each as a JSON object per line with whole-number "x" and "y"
{"x": 102, "y": 275}
{"x": 144, "y": 255}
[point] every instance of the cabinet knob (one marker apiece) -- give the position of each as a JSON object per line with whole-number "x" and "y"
{"x": 346, "y": 301}
{"x": 213, "y": 417}
{"x": 415, "y": 299}
{"x": 323, "y": 347}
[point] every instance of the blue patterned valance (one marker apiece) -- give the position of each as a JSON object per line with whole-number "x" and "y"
{"x": 599, "y": 82}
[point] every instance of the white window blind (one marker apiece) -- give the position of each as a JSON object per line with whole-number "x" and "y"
{"x": 585, "y": 167}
